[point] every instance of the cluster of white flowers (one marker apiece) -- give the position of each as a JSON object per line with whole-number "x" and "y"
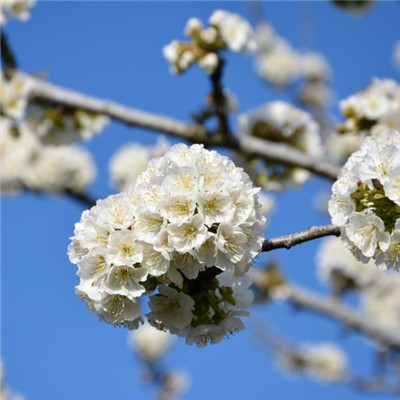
{"x": 281, "y": 65}
{"x": 373, "y": 110}
{"x": 225, "y": 29}
{"x": 324, "y": 362}
{"x": 27, "y": 164}
{"x": 150, "y": 343}
{"x": 190, "y": 229}
{"x": 380, "y": 301}
{"x": 338, "y": 268}
{"x": 396, "y": 55}
{"x": 5, "y": 392}
{"x": 14, "y": 94}
{"x": 280, "y": 122}
{"x": 16, "y": 9}
{"x": 56, "y": 124}
{"x": 132, "y": 159}
{"x": 365, "y": 201}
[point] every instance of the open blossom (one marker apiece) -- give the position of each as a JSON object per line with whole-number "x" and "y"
{"x": 26, "y": 163}
{"x": 324, "y": 362}
{"x": 57, "y": 125}
{"x": 365, "y": 201}
{"x": 380, "y": 301}
{"x": 15, "y": 8}
{"x": 14, "y": 95}
{"x": 190, "y": 221}
{"x": 338, "y": 267}
{"x": 226, "y": 30}
{"x": 132, "y": 159}
{"x": 149, "y": 342}
{"x": 280, "y": 122}
{"x": 373, "y": 110}
{"x": 279, "y": 65}
{"x": 235, "y": 31}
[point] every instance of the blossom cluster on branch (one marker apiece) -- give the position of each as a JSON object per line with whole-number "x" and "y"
{"x": 365, "y": 202}
{"x": 27, "y": 164}
{"x": 225, "y": 29}
{"x": 189, "y": 228}
{"x": 132, "y": 159}
{"x": 19, "y": 9}
{"x": 280, "y": 65}
{"x": 279, "y": 121}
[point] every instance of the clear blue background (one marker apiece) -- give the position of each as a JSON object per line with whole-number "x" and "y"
{"x": 52, "y": 346}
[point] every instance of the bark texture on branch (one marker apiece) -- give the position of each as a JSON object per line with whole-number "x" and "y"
{"x": 288, "y": 241}
{"x": 249, "y": 146}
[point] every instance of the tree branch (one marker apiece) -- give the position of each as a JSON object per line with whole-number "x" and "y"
{"x": 288, "y": 241}
{"x": 7, "y": 56}
{"x": 332, "y": 308}
{"x": 275, "y": 152}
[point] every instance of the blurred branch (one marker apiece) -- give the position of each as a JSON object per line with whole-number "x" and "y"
{"x": 249, "y": 146}
{"x": 275, "y": 288}
{"x": 81, "y": 198}
{"x": 7, "y": 56}
{"x": 332, "y": 308}
{"x": 288, "y": 241}
{"x": 278, "y": 345}
{"x": 219, "y": 99}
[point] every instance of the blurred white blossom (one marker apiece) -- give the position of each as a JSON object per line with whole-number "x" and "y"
{"x": 19, "y": 9}
{"x": 280, "y": 122}
{"x": 150, "y": 343}
{"x": 338, "y": 268}
{"x": 132, "y": 159}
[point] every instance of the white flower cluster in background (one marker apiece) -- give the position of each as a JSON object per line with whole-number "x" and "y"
{"x": 365, "y": 201}
{"x": 5, "y": 391}
{"x": 338, "y": 268}
{"x": 19, "y": 9}
{"x": 280, "y": 122}
{"x": 190, "y": 229}
{"x": 150, "y": 343}
{"x": 132, "y": 159}
{"x": 14, "y": 94}
{"x": 380, "y": 301}
{"x": 55, "y": 124}
{"x": 324, "y": 362}
{"x": 27, "y": 164}
{"x": 396, "y": 55}
{"x": 373, "y": 110}
{"x": 225, "y": 29}
{"x": 281, "y": 65}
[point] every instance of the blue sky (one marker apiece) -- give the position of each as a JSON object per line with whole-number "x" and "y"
{"x": 52, "y": 346}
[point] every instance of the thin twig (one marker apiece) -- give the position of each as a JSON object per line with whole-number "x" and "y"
{"x": 288, "y": 241}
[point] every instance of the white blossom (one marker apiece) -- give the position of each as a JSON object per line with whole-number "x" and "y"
{"x": 380, "y": 302}
{"x": 209, "y": 62}
{"x": 149, "y": 343}
{"x": 132, "y": 159}
{"x": 14, "y": 94}
{"x": 280, "y": 122}
{"x": 338, "y": 268}
{"x": 235, "y": 31}
{"x": 19, "y": 9}
{"x": 189, "y": 216}
{"x": 365, "y": 200}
